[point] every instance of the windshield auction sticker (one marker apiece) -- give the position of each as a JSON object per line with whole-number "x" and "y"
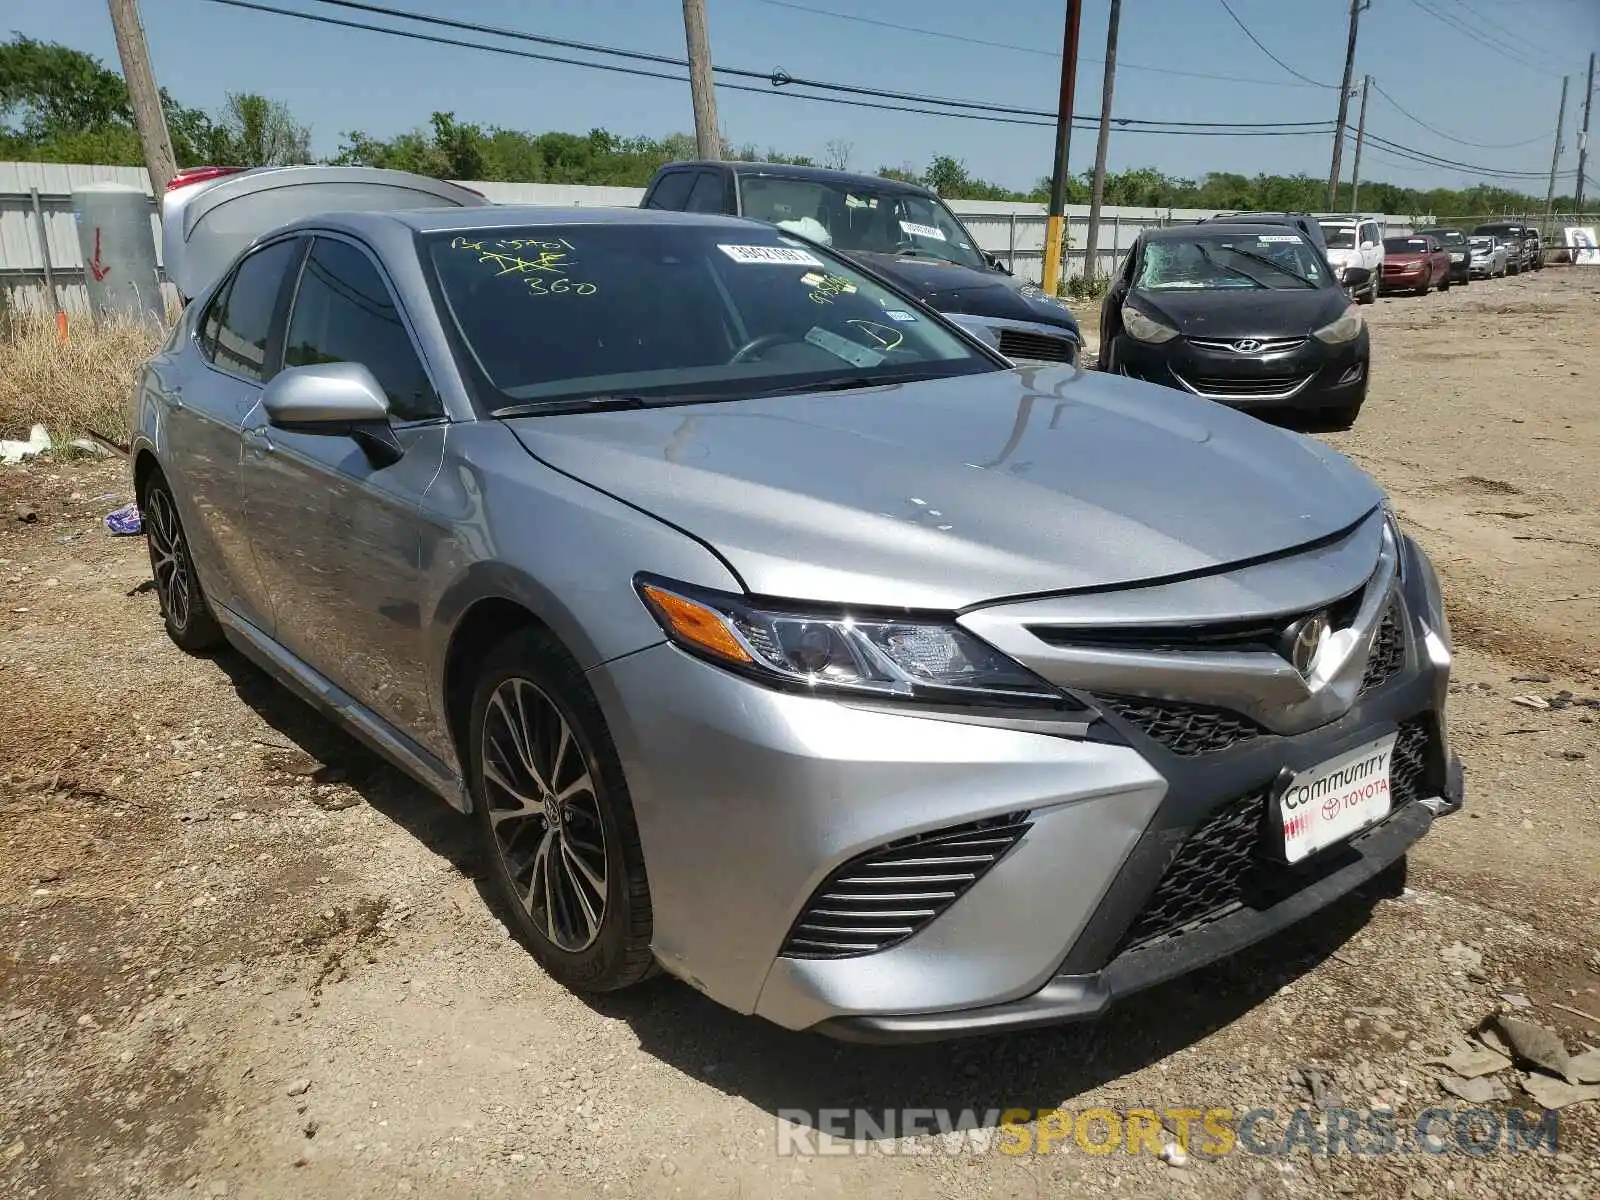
{"x": 923, "y": 231}
{"x": 783, "y": 256}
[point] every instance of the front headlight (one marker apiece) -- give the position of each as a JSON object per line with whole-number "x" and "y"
{"x": 1342, "y": 330}
{"x": 892, "y": 658}
{"x": 1145, "y": 327}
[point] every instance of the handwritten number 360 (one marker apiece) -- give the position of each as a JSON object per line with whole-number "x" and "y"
{"x": 560, "y": 287}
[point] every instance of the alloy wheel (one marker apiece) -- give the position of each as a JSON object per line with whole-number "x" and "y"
{"x": 545, "y": 814}
{"x": 169, "y": 557}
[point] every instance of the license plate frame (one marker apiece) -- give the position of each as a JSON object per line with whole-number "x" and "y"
{"x": 1334, "y": 800}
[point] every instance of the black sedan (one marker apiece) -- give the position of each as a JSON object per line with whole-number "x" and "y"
{"x": 898, "y": 229}
{"x": 1247, "y": 315}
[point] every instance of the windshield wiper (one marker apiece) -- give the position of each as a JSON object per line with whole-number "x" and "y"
{"x": 1265, "y": 261}
{"x": 846, "y": 383}
{"x": 1206, "y": 254}
{"x": 581, "y": 404}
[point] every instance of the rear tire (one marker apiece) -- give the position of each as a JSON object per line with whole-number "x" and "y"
{"x": 184, "y": 608}
{"x": 557, "y": 824}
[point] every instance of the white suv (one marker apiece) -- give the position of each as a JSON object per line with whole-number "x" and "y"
{"x": 1355, "y": 242}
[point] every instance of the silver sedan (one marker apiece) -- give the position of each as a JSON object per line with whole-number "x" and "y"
{"x": 777, "y": 633}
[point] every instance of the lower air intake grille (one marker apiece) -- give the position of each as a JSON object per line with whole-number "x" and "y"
{"x": 881, "y": 898}
{"x": 1184, "y": 729}
{"x": 1014, "y": 343}
{"x": 1388, "y": 650}
{"x": 1220, "y": 867}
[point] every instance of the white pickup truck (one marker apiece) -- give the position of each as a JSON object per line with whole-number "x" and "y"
{"x": 1355, "y": 242}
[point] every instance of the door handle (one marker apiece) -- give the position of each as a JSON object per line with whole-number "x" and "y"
{"x": 258, "y": 442}
{"x": 176, "y": 396}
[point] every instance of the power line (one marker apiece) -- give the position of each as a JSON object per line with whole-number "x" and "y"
{"x": 1260, "y": 46}
{"x": 1501, "y": 30}
{"x": 1467, "y": 31}
{"x": 781, "y": 78}
{"x": 1448, "y": 136}
{"x": 1434, "y": 160}
{"x": 1012, "y": 46}
{"x": 778, "y": 81}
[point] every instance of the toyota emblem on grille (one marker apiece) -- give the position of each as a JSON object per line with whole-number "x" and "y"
{"x": 1302, "y": 641}
{"x": 1247, "y": 346}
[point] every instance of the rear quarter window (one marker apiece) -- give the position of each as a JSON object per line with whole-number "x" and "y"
{"x": 238, "y": 324}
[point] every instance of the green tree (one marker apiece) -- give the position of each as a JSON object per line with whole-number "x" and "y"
{"x": 257, "y": 132}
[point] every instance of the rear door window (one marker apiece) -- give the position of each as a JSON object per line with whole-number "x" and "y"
{"x": 344, "y": 312}
{"x": 672, "y": 191}
{"x": 707, "y": 194}
{"x": 238, "y": 326}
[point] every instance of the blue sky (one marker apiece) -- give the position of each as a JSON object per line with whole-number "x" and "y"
{"x": 339, "y": 79}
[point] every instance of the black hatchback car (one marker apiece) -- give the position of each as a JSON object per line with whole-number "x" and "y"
{"x": 899, "y": 230}
{"x": 1250, "y": 316}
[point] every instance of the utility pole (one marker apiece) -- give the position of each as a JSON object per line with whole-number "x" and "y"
{"x": 1555, "y": 159}
{"x": 707, "y": 137}
{"x": 1091, "y": 251}
{"x": 1055, "y": 225}
{"x": 1583, "y": 137}
{"x": 1344, "y": 100}
{"x": 142, "y": 94}
{"x": 1361, "y": 136}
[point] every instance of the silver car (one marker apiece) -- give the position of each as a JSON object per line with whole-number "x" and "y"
{"x": 777, "y": 633}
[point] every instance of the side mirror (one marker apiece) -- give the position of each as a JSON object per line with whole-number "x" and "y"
{"x": 995, "y": 263}
{"x": 1355, "y": 277}
{"x": 338, "y": 399}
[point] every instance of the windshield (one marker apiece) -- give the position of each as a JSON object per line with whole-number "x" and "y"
{"x": 1450, "y": 237}
{"x": 1414, "y": 245}
{"x": 1228, "y": 261}
{"x": 856, "y": 218}
{"x": 1340, "y": 237}
{"x": 1481, "y": 243}
{"x": 709, "y": 311}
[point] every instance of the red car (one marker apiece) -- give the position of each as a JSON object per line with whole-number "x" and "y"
{"x": 1414, "y": 264}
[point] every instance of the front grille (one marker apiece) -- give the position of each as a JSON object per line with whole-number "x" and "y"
{"x": 1388, "y": 653}
{"x": 881, "y": 898}
{"x": 1017, "y": 343}
{"x": 1221, "y": 868}
{"x": 1184, "y": 729}
{"x": 1220, "y": 385}
{"x": 1262, "y": 345}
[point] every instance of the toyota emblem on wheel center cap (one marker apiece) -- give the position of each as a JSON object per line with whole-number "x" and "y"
{"x": 1302, "y": 641}
{"x": 1247, "y": 345}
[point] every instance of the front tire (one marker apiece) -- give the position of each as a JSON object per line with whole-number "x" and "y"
{"x": 555, "y": 817}
{"x": 184, "y": 608}
{"x": 1444, "y": 284}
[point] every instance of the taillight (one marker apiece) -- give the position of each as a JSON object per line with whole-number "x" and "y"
{"x": 199, "y": 175}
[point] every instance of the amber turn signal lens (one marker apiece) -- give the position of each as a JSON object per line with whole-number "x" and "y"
{"x": 696, "y": 624}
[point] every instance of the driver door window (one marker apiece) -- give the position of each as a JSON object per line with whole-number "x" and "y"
{"x": 344, "y": 312}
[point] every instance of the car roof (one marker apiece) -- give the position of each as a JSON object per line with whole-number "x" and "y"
{"x": 819, "y": 174}
{"x": 1174, "y": 233}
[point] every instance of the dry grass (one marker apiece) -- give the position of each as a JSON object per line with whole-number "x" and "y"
{"x": 70, "y": 388}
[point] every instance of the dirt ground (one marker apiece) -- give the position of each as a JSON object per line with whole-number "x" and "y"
{"x": 240, "y": 957}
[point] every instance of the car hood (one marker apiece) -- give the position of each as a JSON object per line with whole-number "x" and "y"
{"x": 952, "y": 288}
{"x": 944, "y": 494}
{"x": 1245, "y": 312}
